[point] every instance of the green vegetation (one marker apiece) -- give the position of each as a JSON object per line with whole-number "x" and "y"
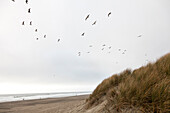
{"x": 146, "y": 89}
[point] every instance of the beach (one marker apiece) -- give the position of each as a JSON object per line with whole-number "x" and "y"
{"x": 51, "y": 105}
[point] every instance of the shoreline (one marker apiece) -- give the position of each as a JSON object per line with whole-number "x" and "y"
{"x": 52, "y": 105}
{"x": 33, "y": 96}
{"x": 41, "y": 99}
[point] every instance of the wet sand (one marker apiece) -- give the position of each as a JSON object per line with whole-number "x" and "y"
{"x": 52, "y": 105}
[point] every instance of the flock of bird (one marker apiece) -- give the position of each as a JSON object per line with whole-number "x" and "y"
{"x": 30, "y": 23}
{"x": 83, "y": 34}
{"x": 104, "y": 45}
{"x": 94, "y": 21}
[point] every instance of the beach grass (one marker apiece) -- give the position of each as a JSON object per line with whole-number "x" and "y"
{"x": 146, "y": 89}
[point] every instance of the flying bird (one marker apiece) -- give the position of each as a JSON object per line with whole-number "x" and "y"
{"x": 87, "y": 17}
{"x": 94, "y": 23}
{"x": 104, "y": 45}
{"x": 110, "y": 47}
{"x": 82, "y": 34}
{"x": 119, "y": 49}
{"x": 90, "y": 46}
{"x": 58, "y": 40}
{"x": 109, "y": 14}
{"x": 23, "y": 23}
{"x": 88, "y": 52}
{"x": 13, "y": 0}
{"x": 44, "y": 36}
{"x": 37, "y": 38}
{"x": 36, "y": 30}
{"x": 102, "y": 49}
{"x": 26, "y": 1}
{"x": 139, "y": 35}
{"x": 31, "y": 23}
{"x": 79, "y": 53}
{"x": 29, "y": 10}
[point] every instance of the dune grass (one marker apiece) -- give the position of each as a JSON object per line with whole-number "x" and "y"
{"x": 146, "y": 88}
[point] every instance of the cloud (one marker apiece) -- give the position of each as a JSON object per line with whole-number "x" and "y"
{"x": 25, "y": 60}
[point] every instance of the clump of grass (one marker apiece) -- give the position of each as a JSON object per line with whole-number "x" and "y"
{"x": 146, "y": 88}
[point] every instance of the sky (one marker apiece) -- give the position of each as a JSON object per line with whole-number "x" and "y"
{"x": 28, "y": 65}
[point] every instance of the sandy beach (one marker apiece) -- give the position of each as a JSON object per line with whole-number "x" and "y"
{"x": 51, "y": 105}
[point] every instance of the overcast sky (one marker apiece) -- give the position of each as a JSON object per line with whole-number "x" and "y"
{"x": 28, "y": 65}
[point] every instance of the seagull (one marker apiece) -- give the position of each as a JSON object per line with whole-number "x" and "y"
{"x": 139, "y": 35}
{"x": 36, "y": 30}
{"x": 23, "y": 23}
{"x": 109, "y": 14}
{"x": 29, "y": 10}
{"x": 94, "y": 23}
{"x": 44, "y": 36}
{"x": 26, "y": 1}
{"x": 87, "y": 17}
{"x": 31, "y": 23}
{"x": 58, "y": 40}
{"x": 82, "y": 34}
{"x": 79, "y": 53}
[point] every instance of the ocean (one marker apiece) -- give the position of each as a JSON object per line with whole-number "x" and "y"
{"x": 32, "y": 96}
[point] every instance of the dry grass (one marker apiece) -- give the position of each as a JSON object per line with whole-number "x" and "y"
{"x": 146, "y": 88}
